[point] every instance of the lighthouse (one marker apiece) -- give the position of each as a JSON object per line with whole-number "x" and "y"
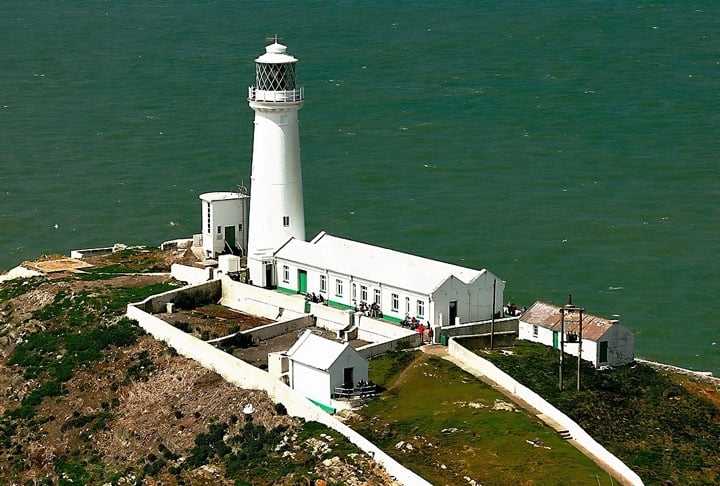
{"x": 276, "y": 194}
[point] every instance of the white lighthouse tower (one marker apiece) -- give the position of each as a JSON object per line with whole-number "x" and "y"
{"x": 276, "y": 195}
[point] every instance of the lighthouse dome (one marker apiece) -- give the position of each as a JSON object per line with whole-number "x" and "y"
{"x": 275, "y": 54}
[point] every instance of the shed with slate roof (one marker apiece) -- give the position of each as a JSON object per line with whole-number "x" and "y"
{"x": 605, "y": 342}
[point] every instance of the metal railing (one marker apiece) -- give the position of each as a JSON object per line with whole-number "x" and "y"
{"x": 292, "y": 95}
{"x": 356, "y": 392}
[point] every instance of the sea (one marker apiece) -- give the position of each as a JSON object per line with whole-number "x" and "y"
{"x": 567, "y": 147}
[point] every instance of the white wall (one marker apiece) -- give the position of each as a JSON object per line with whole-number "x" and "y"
{"x": 481, "y": 366}
{"x": 274, "y": 329}
{"x": 190, "y": 275}
{"x": 261, "y": 302}
{"x": 246, "y": 376}
{"x": 350, "y": 358}
{"x": 621, "y": 344}
{"x": 310, "y": 382}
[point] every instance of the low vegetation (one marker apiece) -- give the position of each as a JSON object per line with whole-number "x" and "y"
{"x": 90, "y": 399}
{"x": 451, "y": 428}
{"x": 658, "y": 423}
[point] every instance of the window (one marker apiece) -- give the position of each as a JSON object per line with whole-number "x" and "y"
{"x": 323, "y": 283}
{"x": 395, "y": 302}
{"x": 338, "y": 287}
{"x": 407, "y": 305}
{"x": 354, "y": 291}
{"x": 420, "y": 308}
{"x": 286, "y": 273}
{"x": 535, "y": 331}
{"x": 240, "y": 227}
{"x": 286, "y": 221}
{"x": 363, "y": 293}
{"x": 219, "y": 233}
{"x": 209, "y": 224}
{"x": 377, "y": 296}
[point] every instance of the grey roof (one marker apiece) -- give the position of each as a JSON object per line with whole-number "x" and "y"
{"x": 374, "y": 263}
{"x": 316, "y": 351}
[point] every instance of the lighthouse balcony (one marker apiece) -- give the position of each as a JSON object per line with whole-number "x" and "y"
{"x": 292, "y": 95}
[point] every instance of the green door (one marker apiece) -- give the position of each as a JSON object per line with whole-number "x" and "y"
{"x": 302, "y": 281}
{"x": 555, "y": 340}
{"x": 230, "y": 236}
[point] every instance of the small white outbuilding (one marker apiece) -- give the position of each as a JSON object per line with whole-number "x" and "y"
{"x": 605, "y": 342}
{"x": 317, "y": 366}
{"x": 347, "y": 273}
{"x": 225, "y": 223}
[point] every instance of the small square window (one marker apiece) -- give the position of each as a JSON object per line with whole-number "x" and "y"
{"x": 363, "y": 293}
{"x": 377, "y": 296}
{"x": 535, "y": 331}
{"x": 323, "y": 283}
{"x": 420, "y": 308}
{"x": 395, "y": 302}
{"x": 286, "y": 273}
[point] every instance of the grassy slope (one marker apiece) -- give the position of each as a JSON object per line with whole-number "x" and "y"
{"x": 649, "y": 419}
{"x": 487, "y": 445}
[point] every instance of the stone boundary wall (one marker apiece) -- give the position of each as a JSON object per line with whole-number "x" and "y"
{"x": 158, "y": 303}
{"x": 260, "y": 302}
{"x": 88, "y": 252}
{"x": 274, "y": 329}
{"x": 383, "y": 336}
{"x": 190, "y": 275}
{"x": 483, "y": 327}
{"x": 247, "y": 376}
{"x": 330, "y": 317}
{"x": 503, "y": 380}
{"x": 500, "y": 339}
{"x": 400, "y": 343}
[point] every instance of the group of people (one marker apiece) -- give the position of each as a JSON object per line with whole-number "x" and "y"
{"x": 413, "y": 323}
{"x": 372, "y": 310}
{"x": 318, "y": 299}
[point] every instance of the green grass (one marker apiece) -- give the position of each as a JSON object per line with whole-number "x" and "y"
{"x": 657, "y": 427}
{"x": 448, "y": 417}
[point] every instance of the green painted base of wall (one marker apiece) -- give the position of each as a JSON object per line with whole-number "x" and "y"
{"x": 287, "y": 291}
{"x": 326, "y": 408}
{"x": 391, "y": 318}
{"x": 339, "y": 305}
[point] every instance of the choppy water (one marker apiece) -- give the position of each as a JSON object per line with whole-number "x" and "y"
{"x": 569, "y": 147}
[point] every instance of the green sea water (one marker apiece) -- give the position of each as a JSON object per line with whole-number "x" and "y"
{"x": 568, "y": 147}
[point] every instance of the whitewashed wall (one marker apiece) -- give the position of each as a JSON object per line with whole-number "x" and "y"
{"x": 310, "y": 382}
{"x": 247, "y": 376}
{"x": 261, "y": 302}
{"x": 190, "y": 275}
{"x": 274, "y": 329}
{"x": 505, "y": 381}
{"x": 507, "y": 324}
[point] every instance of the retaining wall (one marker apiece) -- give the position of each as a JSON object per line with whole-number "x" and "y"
{"x": 247, "y": 376}
{"x": 268, "y": 331}
{"x": 500, "y": 339}
{"x": 260, "y": 302}
{"x": 483, "y": 327}
{"x": 158, "y": 303}
{"x": 190, "y": 275}
{"x": 489, "y": 370}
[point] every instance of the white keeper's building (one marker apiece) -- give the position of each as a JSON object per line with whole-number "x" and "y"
{"x": 347, "y": 273}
